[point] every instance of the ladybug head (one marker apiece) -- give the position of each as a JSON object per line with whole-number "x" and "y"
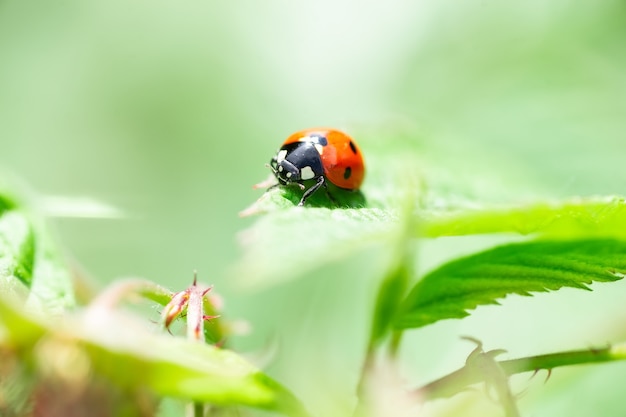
{"x": 285, "y": 171}
{"x": 297, "y": 162}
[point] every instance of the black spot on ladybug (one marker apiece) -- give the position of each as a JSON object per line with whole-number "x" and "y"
{"x": 347, "y": 172}
{"x": 353, "y": 147}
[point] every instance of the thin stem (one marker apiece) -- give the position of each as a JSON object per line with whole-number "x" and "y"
{"x": 195, "y": 325}
{"x": 122, "y": 289}
{"x": 394, "y": 343}
{"x": 198, "y": 409}
{"x": 458, "y": 380}
{"x": 391, "y": 292}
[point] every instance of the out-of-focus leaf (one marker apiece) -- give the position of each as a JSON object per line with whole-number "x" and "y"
{"x": 51, "y": 289}
{"x": 461, "y": 285}
{"x": 17, "y": 250}
{"x": 30, "y": 264}
{"x": 284, "y": 244}
{"x": 123, "y": 350}
{"x": 578, "y": 217}
{"x": 314, "y": 236}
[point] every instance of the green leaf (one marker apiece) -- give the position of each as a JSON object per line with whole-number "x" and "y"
{"x": 17, "y": 249}
{"x": 316, "y": 236}
{"x": 284, "y": 244}
{"x": 461, "y": 285}
{"x": 282, "y": 197}
{"x": 122, "y": 349}
{"x": 577, "y": 217}
{"x": 30, "y": 263}
{"x": 51, "y": 289}
{"x": 6, "y": 203}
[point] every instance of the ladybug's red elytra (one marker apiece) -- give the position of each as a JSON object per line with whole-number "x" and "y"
{"x": 311, "y": 157}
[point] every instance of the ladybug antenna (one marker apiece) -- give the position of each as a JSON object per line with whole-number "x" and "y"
{"x": 272, "y": 168}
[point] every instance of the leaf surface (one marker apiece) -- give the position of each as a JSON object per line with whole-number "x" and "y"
{"x": 121, "y": 348}
{"x": 523, "y": 268}
{"x": 30, "y": 263}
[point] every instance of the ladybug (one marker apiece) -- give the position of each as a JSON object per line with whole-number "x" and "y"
{"x": 311, "y": 157}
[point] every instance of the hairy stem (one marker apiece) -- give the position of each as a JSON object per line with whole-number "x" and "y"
{"x": 460, "y": 379}
{"x": 123, "y": 289}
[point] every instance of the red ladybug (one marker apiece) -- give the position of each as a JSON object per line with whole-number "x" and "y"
{"x": 311, "y": 157}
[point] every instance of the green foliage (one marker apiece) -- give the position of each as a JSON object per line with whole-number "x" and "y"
{"x": 579, "y": 217}
{"x": 35, "y": 281}
{"x": 29, "y": 261}
{"x": 585, "y": 244}
{"x": 573, "y": 242}
{"x": 18, "y": 248}
{"x": 285, "y": 244}
{"x": 461, "y": 285}
{"x": 131, "y": 356}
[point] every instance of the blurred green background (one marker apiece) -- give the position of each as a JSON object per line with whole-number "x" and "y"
{"x": 168, "y": 112}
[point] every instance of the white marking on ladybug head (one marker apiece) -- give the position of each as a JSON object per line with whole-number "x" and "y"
{"x": 280, "y": 156}
{"x": 280, "y": 168}
{"x": 288, "y": 174}
{"x": 320, "y": 148}
{"x": 307, "y": 173}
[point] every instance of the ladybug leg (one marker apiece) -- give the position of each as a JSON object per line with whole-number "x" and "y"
{"x": 320, "y": 182}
